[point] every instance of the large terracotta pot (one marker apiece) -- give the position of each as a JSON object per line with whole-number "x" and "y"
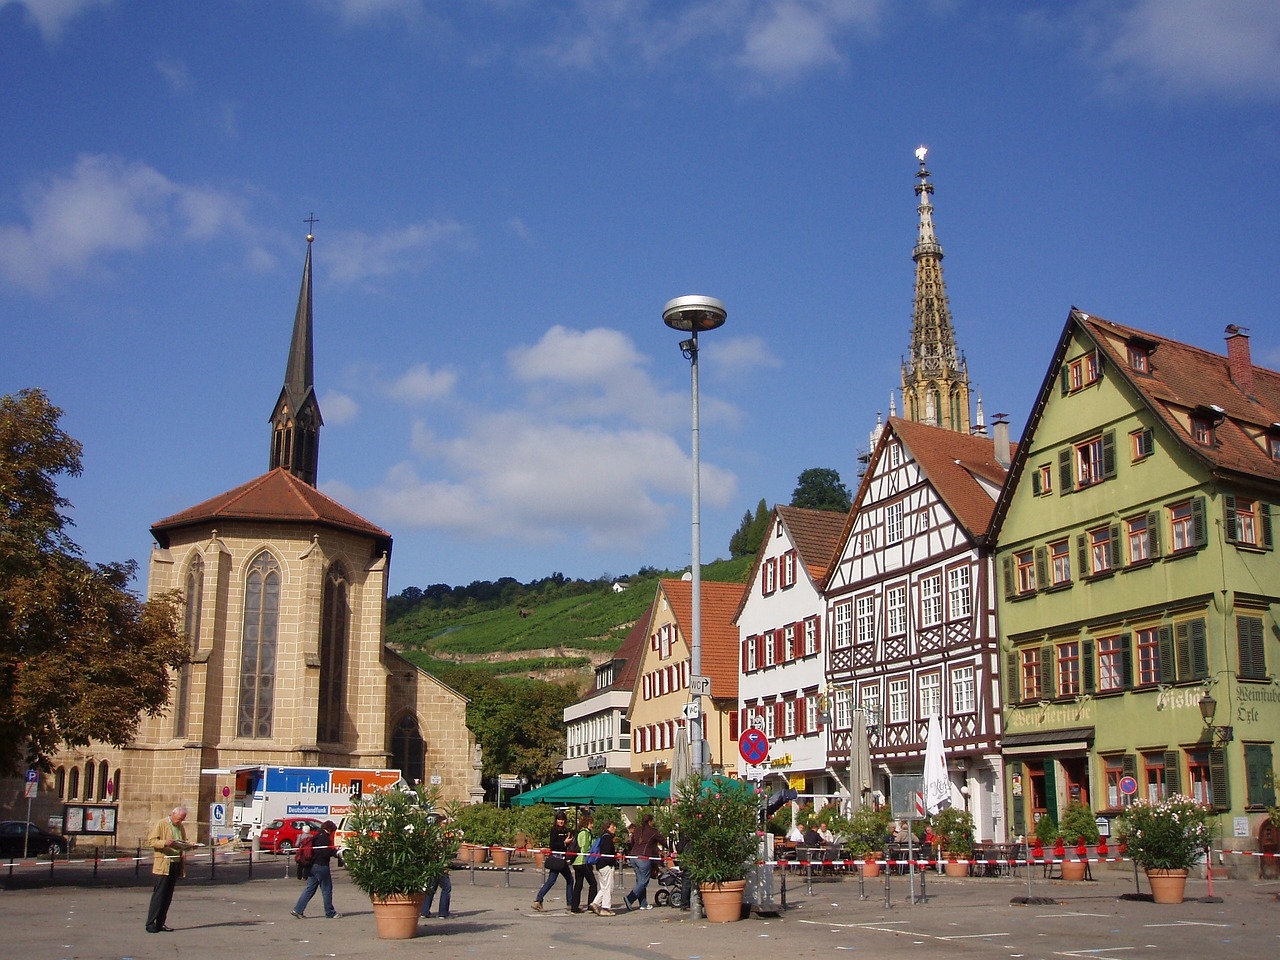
{"x": 397, "y": 917}
{"x": 954, "y": 868}
{"x": 474, "y": 854}
{"x": 539, "y": 859}
{"x": 1167, "y": 886}
{"x": 722, "y": 902}
{"x": 871, "y": 868}
{"x": 499, "y": 855}
{"x": 1074, "y": 869}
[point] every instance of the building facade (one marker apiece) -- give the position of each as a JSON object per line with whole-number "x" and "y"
{"x": 597, "y": 731}
{"x": 1140, "y": 586}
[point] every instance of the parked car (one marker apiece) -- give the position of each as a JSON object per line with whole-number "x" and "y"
{"x": 281, "y": 836}
{"x": 38, "y": 841}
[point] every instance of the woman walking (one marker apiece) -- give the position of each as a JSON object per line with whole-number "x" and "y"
{"x": 583, "y": 872}
{"x": 557, "y": 864}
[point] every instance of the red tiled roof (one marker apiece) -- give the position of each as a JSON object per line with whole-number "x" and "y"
{"x": 274, "y": 497}
{"x": 1183, "y": 377}
{"x": 719, "y": 602}
{"x": 816, "y": 535}
{"x": 631, "y": 651}
{"x": 953, "y": 463}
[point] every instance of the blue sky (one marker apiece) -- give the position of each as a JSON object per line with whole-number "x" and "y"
{"x": 509, "y": 190}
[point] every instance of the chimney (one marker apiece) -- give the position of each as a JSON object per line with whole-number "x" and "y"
{"x": 1000, "y": 425}
{"x": 1239, "y": 359}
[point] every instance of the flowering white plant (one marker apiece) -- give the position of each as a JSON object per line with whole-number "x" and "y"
{"x": 1169, "y": 835}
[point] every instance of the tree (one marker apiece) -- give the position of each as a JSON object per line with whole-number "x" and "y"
{"x": 820, "y": 488}
{"x": 81, "y": 657}
{"x": 750, "y": 534}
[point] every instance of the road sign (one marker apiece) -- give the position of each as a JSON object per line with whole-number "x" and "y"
{"x": 33, "y": 775}
{"x": 1128, "y": 786}
{"x": 218, "y": 814}
{"x": 692, "y": 710}
{"x": 753, "y": 745}
{"x": 700, "y": 686}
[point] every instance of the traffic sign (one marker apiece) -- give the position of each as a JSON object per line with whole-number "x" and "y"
{"x": 753, "y": 745}
{"x": 33, "y": 775}
{"x": 700, "y": 686}
{"x": 692, "y": 710}
{"x": 1128, "y": 786}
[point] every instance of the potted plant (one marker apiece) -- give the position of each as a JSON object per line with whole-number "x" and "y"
{"x": 1079, "y": 828}
{"x": 867, "y": 832}
{"x": 397, "y": 846}
{"x": 955, "y": 829}
{"x": 718, "y": 825}
{"x": 1166, "y": 839}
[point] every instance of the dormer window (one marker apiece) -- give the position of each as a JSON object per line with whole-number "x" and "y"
{"x": 1204, "y": 421}
{"x": 1081, "y": 372}
{"x": 1138, "y": 353}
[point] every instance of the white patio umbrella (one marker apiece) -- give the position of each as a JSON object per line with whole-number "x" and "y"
{"x": 681, "y": 761}
{"x": 859, "y": 763}
{"x": 937, "y": 785}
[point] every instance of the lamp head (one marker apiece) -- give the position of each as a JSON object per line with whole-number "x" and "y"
{"x": 694, "y": 313}
{"x": 1208, "y": 707}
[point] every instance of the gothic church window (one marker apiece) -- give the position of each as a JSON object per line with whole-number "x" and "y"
{"x": 335, "y": 618}
{"x": 191, "y": 624}
{"x": 258, "y": 647}
{"x": 409, "y": 750}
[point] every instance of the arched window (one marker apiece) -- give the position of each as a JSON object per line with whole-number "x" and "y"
{"x": 89, "y": 770}
{"x": 104, "y": 781}
{"x": 115, "y": 786}
{"x": 335, "y": 618}
{"x": 258, "y": 647}
{"x": 60, "y": 782}
{"x": 409, "y": 750}
{"x": 194, "y": 601}
{"x": 73, "y": 788}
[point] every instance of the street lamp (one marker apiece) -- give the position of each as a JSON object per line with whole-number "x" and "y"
{"x": 1208, "y": 708}
{"x": 692, "y": 315}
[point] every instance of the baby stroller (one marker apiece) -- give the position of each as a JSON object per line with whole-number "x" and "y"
{"x": 670, "y": 887}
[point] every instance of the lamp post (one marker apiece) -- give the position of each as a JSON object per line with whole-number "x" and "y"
{"x": 692, "y": 315}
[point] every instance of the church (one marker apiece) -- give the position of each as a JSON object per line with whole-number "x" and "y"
{"x": 284, "y": 595}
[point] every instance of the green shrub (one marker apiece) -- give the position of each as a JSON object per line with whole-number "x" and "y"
{"x": 1078, "y": 824}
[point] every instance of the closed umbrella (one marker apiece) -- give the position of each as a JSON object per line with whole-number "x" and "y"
{"x": 681, "y": 763}
{"x": 859, "y": 763}
{"x": 937, "y": 785}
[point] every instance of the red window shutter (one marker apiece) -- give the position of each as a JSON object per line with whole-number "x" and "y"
{"x": 746, "y": 645}
{"x": 800, "y": 712}
{"x": 817, "y": 634}
{"x": 764, "y": 638}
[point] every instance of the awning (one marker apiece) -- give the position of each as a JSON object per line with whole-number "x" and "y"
{"x": 1048, "y": 741}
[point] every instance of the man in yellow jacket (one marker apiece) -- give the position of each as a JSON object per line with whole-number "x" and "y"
{"x": 168, "y": 840}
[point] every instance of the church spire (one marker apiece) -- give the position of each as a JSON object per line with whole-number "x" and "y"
{"x": 296, "y": 420}
{"x": 935, "y": 377}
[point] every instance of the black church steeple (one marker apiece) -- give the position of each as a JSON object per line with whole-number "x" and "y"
{"x": 296, "y": 420}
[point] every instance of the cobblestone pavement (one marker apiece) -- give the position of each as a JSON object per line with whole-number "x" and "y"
{"x": 493, "y": 919}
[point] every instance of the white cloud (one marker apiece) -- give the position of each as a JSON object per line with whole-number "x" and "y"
{"x": 363, "y": 11}
{"x": 736, "y": 356}
{"x": 420, "y": 383}
{"x": 51, "y": 16}
{"x": 357, "y": 256}
{"x": 175, "y": 73}
{"x": 104, "y": 206}
{"x": 520, "y": 229}
{"x": 1227, "y": 47}
{"x": 338, "y": 408}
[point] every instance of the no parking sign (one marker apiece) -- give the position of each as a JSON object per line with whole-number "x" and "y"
{"x": 753, "y": 745}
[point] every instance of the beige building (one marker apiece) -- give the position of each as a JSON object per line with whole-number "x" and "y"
{"x": 285, "y": 601}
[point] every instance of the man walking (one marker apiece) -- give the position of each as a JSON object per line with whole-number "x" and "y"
{"x": 168, "y": 840}
{"x": 646, "y": 850}
{"x": 323, "y": 849}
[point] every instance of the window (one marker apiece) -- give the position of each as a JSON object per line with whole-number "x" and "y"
{"x": 770, "y": 721}
{"x": 893, "y": 523}
{"x": 1029, "y": 660}
{"x": 811, "y": 712}
{"x": 922, "y": 524}
{"x": 842, "y": 617}
{"x": 749, "y": 659}
{"x": 770, "y": 641}
{"x": 789, "y": 718}
{"x": 1095, "y": 460}
{"x": 1113, "y": 773}
{"x": 1139, "y": 358}
{"x": 1273, "y": 446}
{"x": 1198, "y": 777}
{"x": 811, "y": 636}
{"x": 896, "y": 610}
{"x": 959, "y": 597}
{"x": 1253, "y": 663}
{"x": 1068, "y": 657}
{"x": 1140, "y": 536}
{"x": 1111, "y": 663}
{"x": 1042, "y": 480}
{"x": 790, "y": 645}
{"x": 866, "y": 619}
{"x": 770, "y": 576}
{"x": 1260, "y": 786}
{"x": 336, "y": 613}
{"x": 930, "y": 695}
{"x": 931, "y": 601}
{"x": 194, "y": 597}
{"x": 842, "y": 708}
{"x": 895, "y": 455}
{"x": 1202, "y": 431}
{"x": 868, "y": 541}
{"x": 1187, "y": 525}
{"x": 1080, "y": 373}
{"x": 1142, "y": 444}
{"x": 789, "y": 568}
{"x": 1148, "y": 656}
{"x": 1155, "y": 776}
{"x": 964, "y": 693}
{"x": 1026, "y": 570}
{"x": 869, "y": 699}
{"x": 899, "y": 700}
{"x": 1247, "y": 522}
{"x": 258, "y": 647}
{"x": 1060, "y": 563}
{"x": 1101, "y": 549}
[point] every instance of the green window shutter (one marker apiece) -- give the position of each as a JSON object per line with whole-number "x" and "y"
{"x": 1172, "y": 772}
{"x": 1035, "y": 483}
{"x": 1009, "y": 586}
{"x": 1047, "y": 690}
{"x": 1147, "y": 442}
{"x": 1066, "y": 379}
{"x": 1264, "y": 510}
{"x": 1167, "y": 672}
{"x": 1082, "y": 555}
{"x": 1229, "y": 517}
{"x": 1199, "y": 528}
{"x": 1253, "y": 663}
{"x": 1066, "y": 476}
{"x": 1182, "y": 652}
{"x": 1153, "y": 532}
{"x": 1117, "y": 548}
{"x": 1260, "y": 786}
{"x": 1051, "y": 787}
{"x": 1109, "y": 454}
{"x": 1129, "y": 765}
{"x": 1013, "y": 694}
{"x": 1086, "y": 666}
{"x": 1042, "y": 568}
{"x": 1126, "y": 660}
{"x": 1199, "y": 644}
{"x": 1218, "y": 779}
{"x": 1019, "y": 814}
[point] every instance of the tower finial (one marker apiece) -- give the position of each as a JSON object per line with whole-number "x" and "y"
{"x": 310, "y": 221}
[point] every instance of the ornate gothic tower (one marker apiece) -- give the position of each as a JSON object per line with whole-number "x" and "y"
{"x": 296, "y": 420}
{"x": 935, "y": 377}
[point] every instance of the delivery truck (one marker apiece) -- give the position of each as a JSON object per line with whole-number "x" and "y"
{"x": 266, "y": 793}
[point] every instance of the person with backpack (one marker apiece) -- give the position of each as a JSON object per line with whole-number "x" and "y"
{"x": 557, "y": 862}
{"x": 305, "y": 853}
{"x": 323, "y": 850}
{"x": 606, "y": 854}
{"x": 583, "y": 872}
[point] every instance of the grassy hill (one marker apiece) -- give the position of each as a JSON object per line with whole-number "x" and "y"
{"x": 557, "y": 632}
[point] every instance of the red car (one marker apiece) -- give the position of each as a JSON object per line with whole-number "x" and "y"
{"x": 281, "y": 836}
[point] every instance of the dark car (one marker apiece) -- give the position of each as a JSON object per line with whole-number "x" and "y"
{"x": 12, "y": 833}
{"x": 281, "y": 836}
